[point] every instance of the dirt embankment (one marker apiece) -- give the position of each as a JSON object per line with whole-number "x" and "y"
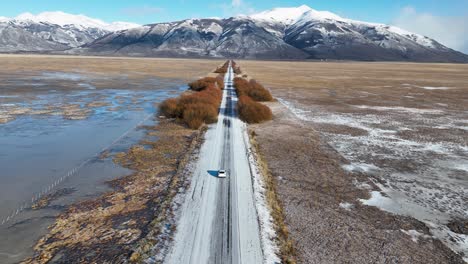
{"x": 321, "y": 203}
{"x": 127, "y": 223}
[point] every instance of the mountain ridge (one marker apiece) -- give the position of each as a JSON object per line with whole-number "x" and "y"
{"x": 298, "y": 33}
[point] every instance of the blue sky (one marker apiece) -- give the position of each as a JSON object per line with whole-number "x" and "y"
{"x": 444, "y": 20}
{"x": 150, "y": 11}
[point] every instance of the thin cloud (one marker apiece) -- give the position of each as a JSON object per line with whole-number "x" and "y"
{"x": 142, "y": 10}
{"x": 236, "y": 7}
{"x": 236, "y": 3}
{"x": 450, "y": 31}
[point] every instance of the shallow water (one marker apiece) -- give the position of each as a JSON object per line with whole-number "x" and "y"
{"x": 43, "y": 153}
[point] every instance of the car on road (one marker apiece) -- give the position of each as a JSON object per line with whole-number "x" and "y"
{"x": 222, "y": 174}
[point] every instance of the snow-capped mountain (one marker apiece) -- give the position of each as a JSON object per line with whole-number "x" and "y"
{"x": 52, "y": 31}
{"x": 79, "y": 21}
{"x": 281, "y": 33}
{"x": 286, "y": 16}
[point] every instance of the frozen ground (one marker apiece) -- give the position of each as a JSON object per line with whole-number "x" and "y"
{"x": 415, "y": 150}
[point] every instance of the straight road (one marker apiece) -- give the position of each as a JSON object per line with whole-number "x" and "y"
{"x": 218, "y": 222}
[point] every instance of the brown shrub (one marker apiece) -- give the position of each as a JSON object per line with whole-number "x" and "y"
{"x": 253, "y": 89}
{"x": 202, "y": 84}
{"x": 253, "y": 112}
{"x": 259, "y": 93}
{"x": 168, "y": 108}
{"x": 196, "y": 108}
{"x": 222, "y": 69}
{"x": 220, "y": 81}
{"x": 242, "y": 86}
{"x": 195, "y": 115}
{"x": 237, "y": 70}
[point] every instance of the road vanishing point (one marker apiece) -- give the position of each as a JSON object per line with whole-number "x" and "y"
{"x": 218, "y": 221}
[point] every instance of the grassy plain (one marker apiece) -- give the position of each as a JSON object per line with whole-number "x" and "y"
{"x": 345, "y": 130}
{"x": 188, "y": 69}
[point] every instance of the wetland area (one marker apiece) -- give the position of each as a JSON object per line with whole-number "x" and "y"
{"x": 62, "y": 120}
{"x": 368, "y": 159}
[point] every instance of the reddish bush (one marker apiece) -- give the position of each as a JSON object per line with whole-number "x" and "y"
{"x": 194, "y": 108}
{"x": 168, "y": 108}
{"x": 242, "y": 86}
{"x": 251, "y": 111}
{"x": 223, "y": 69}
{"x": 237, "y": 70}
{"x": 220, "y": 81}
{"x": 259, "y": 93}
{"x": 252, "y": 89}
{"x": 195, "y": 115}
{"x": 202, "y": 84}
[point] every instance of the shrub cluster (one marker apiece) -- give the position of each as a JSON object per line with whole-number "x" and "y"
{"x": 250, "y": 94}
{"x": 194, "y": 109}
{"x": 220, "y": 81}
{"x": 203, "y": 83}
{"x": 251, "y": 111}
{"x": 252, "y": 89}
{"x": 223, "y": 69}
{"x": 236, "y": 69}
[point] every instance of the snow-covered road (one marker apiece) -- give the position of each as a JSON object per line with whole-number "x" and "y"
{"x": 218, "y": 222}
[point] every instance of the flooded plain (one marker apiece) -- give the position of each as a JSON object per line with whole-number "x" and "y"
{"x": 58, "y": 133}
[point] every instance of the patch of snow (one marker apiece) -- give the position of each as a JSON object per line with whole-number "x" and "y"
{"x": 378, "y": 200}
{"x": 314, "y": 15}
{"x": 138, "y": 31}
{"x": 462, "y": 166}
{"x": 426, "y": 190}
{"x": 87, "y": 86}
{"x": 420, "y": 39}
{"x": 286, "y": 15}
{"x": 62, "y": 76}
{"x": 457, "y": 242}
{"x": 347, "y": 206}
{"x": 215, "y": 28}
{"x": 360, "y": 167}
{"x": 400, "y": 109}
{"x": 362, "y": 185}
{"x": 415, "y": 235}
{"x": 427, "y": 87}
{"x": 434, "y": 88}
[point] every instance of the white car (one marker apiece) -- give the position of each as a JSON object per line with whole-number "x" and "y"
{"x": 222, "y": 174}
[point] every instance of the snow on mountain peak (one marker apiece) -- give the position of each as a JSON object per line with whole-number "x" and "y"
{"x": 81, "y": 21}
{"x": 320, "y": 15}
{"x": 286, "y": 15}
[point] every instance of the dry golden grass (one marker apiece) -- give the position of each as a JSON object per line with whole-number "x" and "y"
{"x": 343, "y": 84}
{"x": 187, "y": 69}
{"x": 311, "y": 183}
{"x": 286, "y": 245}
{"x": 348, "y": 74}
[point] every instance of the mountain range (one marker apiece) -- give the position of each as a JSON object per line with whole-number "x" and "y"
{"x": 281, "y": 33}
